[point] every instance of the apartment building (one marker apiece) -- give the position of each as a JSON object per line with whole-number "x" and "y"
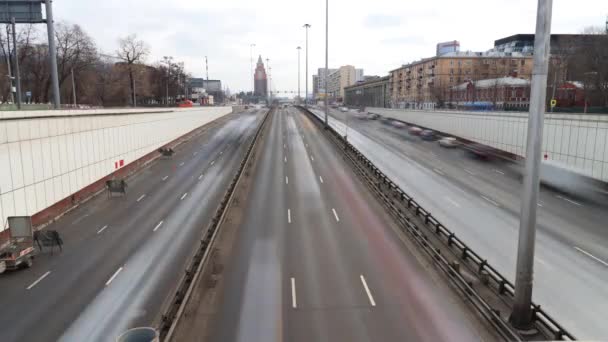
{"x": 318, "y": 82}
{"x": 425, "y": 84}
{"x": 341, "y": 78}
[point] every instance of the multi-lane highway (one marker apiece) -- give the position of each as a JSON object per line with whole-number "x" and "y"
{"x": 123, "y": 256}
{"x": 480, "y": 201}
{"x": 317, "y": 259}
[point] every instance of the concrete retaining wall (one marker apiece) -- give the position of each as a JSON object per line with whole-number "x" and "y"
{"x": 48, "y": 156}
{"x": 579, "y": 142}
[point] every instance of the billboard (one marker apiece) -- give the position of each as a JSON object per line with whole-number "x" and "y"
{"x": 24, "y": 11}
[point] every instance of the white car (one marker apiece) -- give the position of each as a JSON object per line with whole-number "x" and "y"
{"x": 448, "y": 142}
{"x": 343, "y": 109}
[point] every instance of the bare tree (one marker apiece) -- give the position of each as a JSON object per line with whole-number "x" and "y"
{"x": 132, "y": 51}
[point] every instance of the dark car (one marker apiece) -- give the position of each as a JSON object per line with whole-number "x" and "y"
{"x": 427, "y": 134}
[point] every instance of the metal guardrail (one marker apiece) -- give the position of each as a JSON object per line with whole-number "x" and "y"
{"x": 174, "y": 311}
{"x": 489, "y": 275}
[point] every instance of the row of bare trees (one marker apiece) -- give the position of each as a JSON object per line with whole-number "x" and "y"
{"x": 118, "y": 79}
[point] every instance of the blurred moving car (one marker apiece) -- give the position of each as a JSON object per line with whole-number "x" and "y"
{"x": 415, "y": 130}
{"x": 361, "y": 116}
{"x": 397, "y": 124}
{"x": 448, "y": 142}
{"x": 427, "y": 134}
{"x": 479, "y": 151}
{"x": 343, "y": 109}
{"x": 373, "y": 116}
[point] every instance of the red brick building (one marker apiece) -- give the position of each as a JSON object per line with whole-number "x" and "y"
{"x": 495, "y": 93}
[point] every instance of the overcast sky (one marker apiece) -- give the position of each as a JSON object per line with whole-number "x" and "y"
{"x": 376, "y": 35}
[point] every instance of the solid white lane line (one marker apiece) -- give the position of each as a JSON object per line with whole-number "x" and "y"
{"x": 288, "y": 215}
{"x": 452, "y": 201}
{"x": 569, "y": 200}
{"x": 498, "y": 171}
{"x": 369, "y": 294}
{"x": 592, "y": 256}
{"x": 312, "y": 158}
{"x": 439, "y": 172}
{"x": 489, "y": 200}
{"x": 200, "y": 177}
{"x": 183, "y": 196}
{"x": 38, "y": 280}
{"x": 335, "y": 214}
{"x": 141, "y": 197}
{"x": 294, "y": 302}
{"x": 286, "y": 180}
{"x": 102, "y": 229}
{"x": 469, "y": 172}
{"x": 213, "y": 162}
{"x": 158, "y": 226}
{"x": 165, "y": 178}
{"x": 113, "y": 276}
{"x": 181, "y": 164}
{"x": 321, "y": 179}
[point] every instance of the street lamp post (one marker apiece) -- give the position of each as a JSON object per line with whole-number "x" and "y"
{"x": 252, "y": 74}
{"x": 326, "y": 59}
{"x": 268, "y": 90}
{"x": 522, "y": 314}
{"x": 306, "y": 26}
{"x": 299, "y": 49}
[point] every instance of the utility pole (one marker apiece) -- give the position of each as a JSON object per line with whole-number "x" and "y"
{"x": 306, "y": 26}
{"x": 73, "y": 88}
{"x": 326, "y": 59}
{"x": 52, "y": 53}
{"x": 521, "y": 317}
{"x": 299, "y": 97}
{"x": 8, "y": 65}
{"x": 16, "y": 63}
{"x": 207, "y": 70}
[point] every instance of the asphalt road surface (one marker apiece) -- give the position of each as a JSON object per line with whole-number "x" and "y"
{"x": 317, "y": 259}
{"x": 124, "y": 255}
{"x": 480, "y": 202}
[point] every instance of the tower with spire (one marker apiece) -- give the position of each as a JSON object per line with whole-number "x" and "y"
{"x": 261, "y": 80}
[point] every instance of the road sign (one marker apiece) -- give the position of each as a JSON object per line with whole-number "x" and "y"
{"x": 553, "y": 103}
{"x": 24, "y": 11}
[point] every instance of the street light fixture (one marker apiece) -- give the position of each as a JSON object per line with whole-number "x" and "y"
{"x": 326, "y": 60}
{"x": 306, "y": 26}
{"x": 251, "y": 46}
{"x": 299, "y": 97}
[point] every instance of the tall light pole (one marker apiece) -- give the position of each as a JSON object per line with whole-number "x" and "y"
{"x": 299, "y": 97}
{"x": 50, "y": 28}
{"x": 306, "y": 26}
{"x": 251, "y": 46}
{"x": 268, "y": 90}
{"x": 521, "y": 317}
{"x": 326, "y": 59}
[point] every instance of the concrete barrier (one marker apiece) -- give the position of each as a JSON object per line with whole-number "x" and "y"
{"x": 577, "y": 141}
{"x": 51, "y": 159}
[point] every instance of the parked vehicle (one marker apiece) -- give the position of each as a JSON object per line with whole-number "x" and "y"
{"x": 448, "y": 142}
{"x": 427, "y": 134}
{"x": 415, "y": 130}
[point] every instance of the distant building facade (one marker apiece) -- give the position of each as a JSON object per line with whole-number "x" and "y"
{"x": 447, "y": 47}
{"x": 561, "y": 44}
{"x": 422, "y": 84}
{"x": 505, "y": 93}
{"x": 260, "y": 79}
{"x": 319, "y": 82}
{"x": 343, "y": 77}
{"x": 373, "y": 92}
{"x": 202, "y": 87}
